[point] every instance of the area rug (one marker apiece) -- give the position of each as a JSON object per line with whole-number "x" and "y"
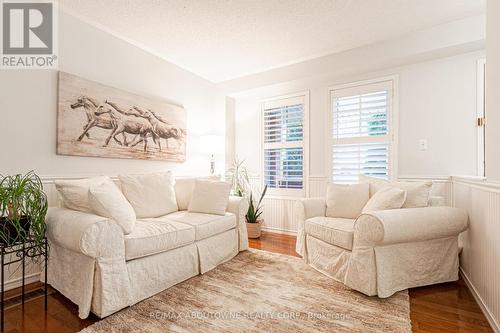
{"x": 261, "y": 292}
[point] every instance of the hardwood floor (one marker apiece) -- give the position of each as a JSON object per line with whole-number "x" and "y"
{"x": 447, "y": 307}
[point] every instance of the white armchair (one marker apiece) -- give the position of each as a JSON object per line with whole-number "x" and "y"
{"x": 385, "y": 251}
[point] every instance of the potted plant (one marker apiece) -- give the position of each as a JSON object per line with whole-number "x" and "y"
{"x": 23, "y": 206}
{"x": 254, "y": 222}
{"x": 238, "y": 177}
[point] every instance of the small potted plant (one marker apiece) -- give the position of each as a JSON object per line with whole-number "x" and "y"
{"x": 254, "y": 222}
{"x": 23, "y": 206}
{"x": 237, "y": 175}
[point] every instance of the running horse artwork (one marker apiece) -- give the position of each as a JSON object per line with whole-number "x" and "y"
{"x": 101, "y": 121}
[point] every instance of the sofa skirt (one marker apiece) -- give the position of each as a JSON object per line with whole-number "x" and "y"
{"x": 153, "y": 274}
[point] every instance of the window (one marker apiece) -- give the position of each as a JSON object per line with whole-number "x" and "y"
{"x": 362, "y": 126}
{"x": 284, "y": 133}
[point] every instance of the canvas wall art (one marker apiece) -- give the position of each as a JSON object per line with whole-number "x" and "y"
{"x": 101, "y": 121}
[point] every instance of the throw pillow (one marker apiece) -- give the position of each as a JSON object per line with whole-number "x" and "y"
{"x": 74, "y": 194}
{"x": 151, "y": 195}
{"x": 209, "y": 197}
{"x": 184, "y": 189}
{"x": 387, "y": 198}
{"x": 107, "y": 200}
{"x": 376, "y": 184}
{"x": 346, "y": 201}
{"x": 417, "y": 192}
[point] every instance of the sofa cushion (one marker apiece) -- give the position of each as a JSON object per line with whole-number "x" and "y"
{"x": 209, "y": 197}
{"x": 184, "y": 189}
{"x": 335, "y": 231}
{"x": 74, "y": 193}
{"x": 205, "y": 225}
{"x": 151, "y": 195}
{"x": 107, "y": 200}
{"x": 156, "y": 235}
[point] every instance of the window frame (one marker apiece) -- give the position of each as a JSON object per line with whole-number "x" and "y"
{"x": 480, "y": 113}
{"x": 393, "y": 121}
{"x": 287, "y": 192}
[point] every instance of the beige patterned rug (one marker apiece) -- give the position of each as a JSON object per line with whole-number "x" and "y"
{"x": 261, "y": 292}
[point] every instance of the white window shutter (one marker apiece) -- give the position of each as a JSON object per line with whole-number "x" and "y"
{"x": 361, "y": 132}
{"x": 283, "y": 139}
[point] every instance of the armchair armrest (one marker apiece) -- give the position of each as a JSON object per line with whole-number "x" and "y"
{"x": 89, "y": 234}
{"x": 239, "y": 207}
{"x": 408, "y": 225}
{"x": 305, "y": 209}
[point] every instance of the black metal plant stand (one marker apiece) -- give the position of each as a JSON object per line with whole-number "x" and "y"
{"x": 27, "y": 248}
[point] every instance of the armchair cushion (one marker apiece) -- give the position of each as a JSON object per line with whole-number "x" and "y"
{"x": 335, "y": 231}
{"x": 387, "y": 198}
{"x": 417, "y": 192}
{"x": 346, "y": 201}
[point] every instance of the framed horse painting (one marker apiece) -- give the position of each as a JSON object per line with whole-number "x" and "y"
{"x": 101, "y": 121}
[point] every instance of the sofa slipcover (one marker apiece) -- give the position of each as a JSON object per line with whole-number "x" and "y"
{"x": 391, "y": 250}
{"x": 88, "y": 258}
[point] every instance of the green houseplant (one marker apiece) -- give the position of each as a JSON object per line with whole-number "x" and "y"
{"x": 253, "y": 216}
{"x": 23, "y": 206}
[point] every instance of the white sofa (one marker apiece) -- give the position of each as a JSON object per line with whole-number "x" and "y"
{"x": 102, "y": 270}
{"x": 382, "y": 252}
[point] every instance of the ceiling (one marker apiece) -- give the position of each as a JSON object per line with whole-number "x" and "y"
{"x": 224, "y": 39}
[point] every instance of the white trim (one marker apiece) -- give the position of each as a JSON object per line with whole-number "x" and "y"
{"x": 280, "y": 231}
{"x": 17, "y": 282}
{"x": 288, "y": 193}
{"x": 393, "y": 121}
{"x": 50, "y": 179}
{"x": 484, "y": 308}
{"x": 477, "y": 183}
{"x": 437, "y": 178}
{"x": 481, "y": 63}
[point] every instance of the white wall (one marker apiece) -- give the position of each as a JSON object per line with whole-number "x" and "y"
{"x": 492, "y": 102}
{"x": 28, "y": 104}
{"x": 437, "y": 102}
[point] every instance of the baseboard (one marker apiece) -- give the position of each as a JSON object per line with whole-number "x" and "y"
{"x": 487, "y": 313}
{"x": 280, "y": 231}
{"x": 17, "y": 282}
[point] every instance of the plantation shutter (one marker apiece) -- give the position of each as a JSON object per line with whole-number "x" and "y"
{"x": 283, "y": 127}
{"x": 361, "y": 132}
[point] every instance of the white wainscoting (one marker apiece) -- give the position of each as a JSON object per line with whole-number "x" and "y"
{"x": 480, "y": 259}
